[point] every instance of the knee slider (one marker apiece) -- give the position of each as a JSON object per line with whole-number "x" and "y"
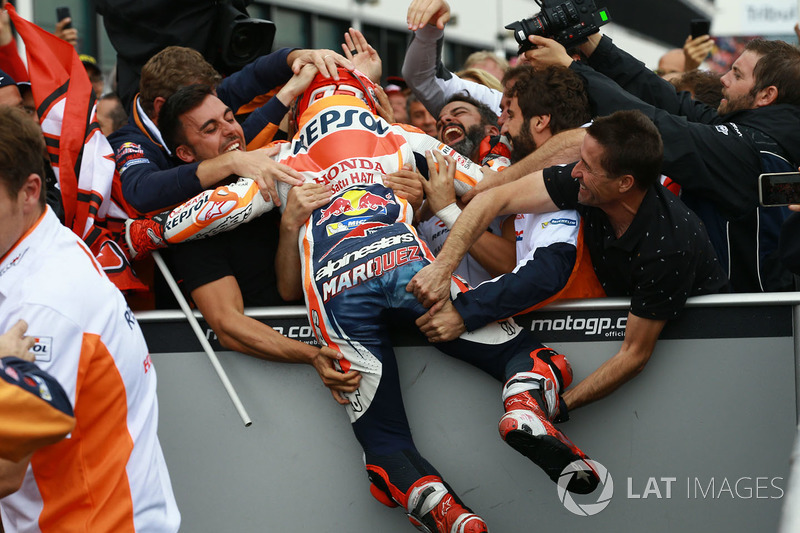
{"x": 553, "y": 365}
{"x": 379, "y": 486}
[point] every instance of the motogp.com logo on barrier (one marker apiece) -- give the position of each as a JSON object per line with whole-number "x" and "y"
{"x": 602, "y": 326}
{"x": 578, "y": 468}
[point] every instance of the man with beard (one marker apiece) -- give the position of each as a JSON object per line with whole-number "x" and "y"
{"x": 716, "y": 155}
{"x": 464, "y": 124}
{"x": 551, "y": 261}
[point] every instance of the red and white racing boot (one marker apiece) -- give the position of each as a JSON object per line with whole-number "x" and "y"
{"x": 527, "y": 428}
{"x": 434, "y": 509}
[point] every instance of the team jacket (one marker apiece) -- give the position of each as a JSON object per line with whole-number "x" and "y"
{"x": 716, "y": 160}
{"x": 35, "y": 409}
{"x": 109, "y": 474}
{"x": 552, "y": 263}
{"x": 150, "y": 179}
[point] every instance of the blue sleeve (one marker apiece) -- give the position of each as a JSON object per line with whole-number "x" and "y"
{"x": 255, "y": 79}
{"x": 150, "y": 181}
{"x": 270, "y": 113}
{"x": 36, "y": 381}
{"x": 530, "y": 283}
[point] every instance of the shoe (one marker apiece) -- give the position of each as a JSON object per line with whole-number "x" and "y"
{"x": 142, "y": 236}
{"x": 433, "y": 509}
{"x": 527, "y": 429}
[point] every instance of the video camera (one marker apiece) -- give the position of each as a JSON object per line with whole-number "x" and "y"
{"x": 570, "y": 23}
{"x": 241, "y": 39}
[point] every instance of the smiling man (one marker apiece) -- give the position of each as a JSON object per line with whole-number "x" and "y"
{"x": 644, "y": 243}
{"x": 716, "y": 155}
{"x": 463, "y": 123}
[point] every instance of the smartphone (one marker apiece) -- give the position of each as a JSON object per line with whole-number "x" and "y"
{"x": 781, "y": 188}
{"x": 700, "y": 27}
{"x": 62, "y": 13}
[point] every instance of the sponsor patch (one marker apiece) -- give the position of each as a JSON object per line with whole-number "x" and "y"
{"x": 131, "y": 162}
{"x": 14, "y": 262}
{"x": 44, "y": 390}
{"x": 345, "y": 225}
{"x": 560, "y": 222}
{"x": 43, "y": 349}
{"x": 129, "y": 148}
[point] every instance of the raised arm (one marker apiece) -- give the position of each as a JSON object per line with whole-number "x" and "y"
{"x": 423, "y": 69}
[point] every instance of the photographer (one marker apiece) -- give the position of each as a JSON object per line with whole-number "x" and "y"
{"x": 716, "y": 155}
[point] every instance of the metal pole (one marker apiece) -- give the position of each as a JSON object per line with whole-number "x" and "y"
{"x": 162, "y": 266}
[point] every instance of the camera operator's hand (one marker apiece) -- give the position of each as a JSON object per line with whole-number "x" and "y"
{"x": 364, "y": 57}
{"x": 695, "y": 51}
{"x": 422, "y": 12}
{"x": 326, "y": 61}
{"x": 547, "y": 52}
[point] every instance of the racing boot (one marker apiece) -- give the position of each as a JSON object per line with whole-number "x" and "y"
{"x": 434, "y": 509}
{"x": 144, "y": 235}
{"x": 531, "y": 401}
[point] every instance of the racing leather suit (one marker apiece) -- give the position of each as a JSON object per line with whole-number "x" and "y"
{"x": 358, "y": 254}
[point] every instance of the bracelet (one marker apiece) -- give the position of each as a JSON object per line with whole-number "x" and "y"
{"x": 449, "y": 214}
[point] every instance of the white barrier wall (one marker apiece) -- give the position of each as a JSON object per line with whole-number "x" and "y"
{"x": 700, "y": 441}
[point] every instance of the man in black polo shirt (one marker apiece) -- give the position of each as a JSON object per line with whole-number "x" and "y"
{"x": 643, "y": 241}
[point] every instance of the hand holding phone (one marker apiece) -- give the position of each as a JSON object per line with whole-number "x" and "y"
{"x": 63, "y": 13}
{"x": 699, "y": 27}
{"x": 779, "y": 189}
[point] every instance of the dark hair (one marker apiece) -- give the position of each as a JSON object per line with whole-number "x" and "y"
{"x": 183, "y": 101}
{"x": 555, "y": 91}
{"x": 169, "y": 70}
{"x": 705, "y": 86}
{"x": 488, "y": 117}
{"x": 118, "y": 115}
{"x": 21, "y": 151}
{"x": 631, "y": 145}
{"x": 779, "y": 65}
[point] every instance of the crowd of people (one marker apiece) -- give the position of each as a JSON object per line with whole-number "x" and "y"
{"x": 451, "y": 200}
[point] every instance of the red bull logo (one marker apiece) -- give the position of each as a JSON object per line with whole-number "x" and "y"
{"x": 354, "y": 203}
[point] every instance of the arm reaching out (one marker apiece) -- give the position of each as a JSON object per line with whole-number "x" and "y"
{"x": 641, "y": 335}
{"x": 527, "y": 195}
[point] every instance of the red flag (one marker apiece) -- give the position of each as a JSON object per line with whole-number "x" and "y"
{"x": 79, "y": 153}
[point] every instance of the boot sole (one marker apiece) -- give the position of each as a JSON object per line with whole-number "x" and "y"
{"x": 552, "y": 456}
